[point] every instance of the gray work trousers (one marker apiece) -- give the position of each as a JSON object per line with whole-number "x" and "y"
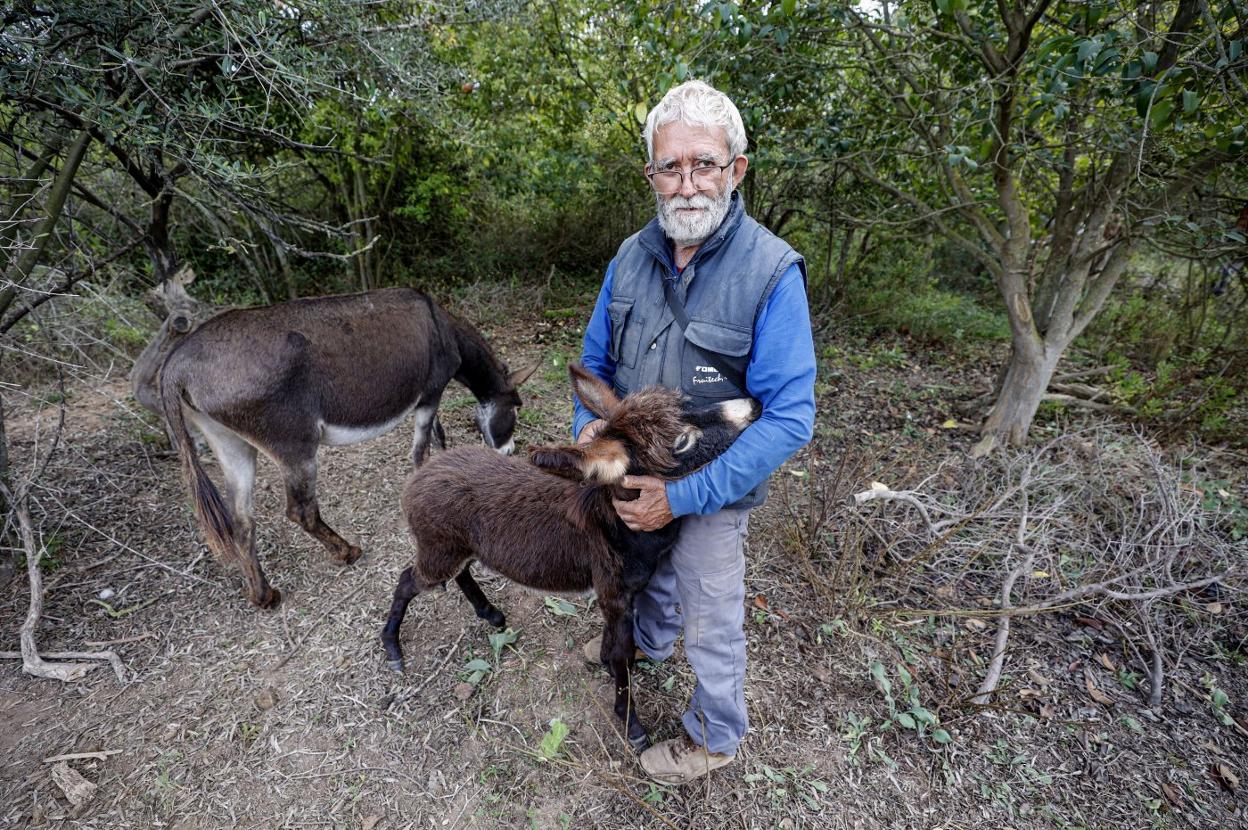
{"x": 700, "y": 587}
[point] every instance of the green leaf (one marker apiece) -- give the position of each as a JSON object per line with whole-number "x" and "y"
{"x": 640, "y": 110}
{"x": 923, "y": 716}
{"x": 1161, "y": 113}
{"x": 1086, "y": 50}
{"x": 553, "y": 739}
{"x": 560, "y": 607}
{"x": 478, "y": 665}
{"x": 789, "y": 7}
{"x": 500, "y": 639}
{"x": 1144, "y": 97}
{"x": 1190, "y": 101}
{"x": 940, "y": 736}
{"x": 1150, "y": 62}
{"x": 877, "y": 672}
{"x": 907, "y": 720}
{"x": 1105, "y": 61}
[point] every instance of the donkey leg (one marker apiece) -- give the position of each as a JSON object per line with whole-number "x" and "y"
{"x": 237, "y": 460}
{"x": 618, "y": 652}
{"x": 426, "y": 424}
{"x": 303, "y": 510}
{"x": 485, "y": 610}
{"x": 403, "y": 593}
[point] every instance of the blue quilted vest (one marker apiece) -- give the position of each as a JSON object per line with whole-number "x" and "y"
{"x": 724, "y": 287}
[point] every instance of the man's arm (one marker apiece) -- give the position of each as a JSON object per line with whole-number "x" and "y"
{"x": 780, "y": 376}
{"x": 595, "y": 349}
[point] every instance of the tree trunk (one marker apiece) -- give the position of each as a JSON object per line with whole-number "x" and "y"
{"x": 1026, "y": 380}
{"x": 43, "y": 233}
{"x": 8, "y": 557}
{"x": 159, "y": 246}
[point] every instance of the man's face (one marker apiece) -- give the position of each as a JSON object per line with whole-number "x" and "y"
{"x": 690, "y": 215}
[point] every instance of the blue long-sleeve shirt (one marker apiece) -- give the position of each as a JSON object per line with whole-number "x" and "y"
{"x": 780, "y": 376}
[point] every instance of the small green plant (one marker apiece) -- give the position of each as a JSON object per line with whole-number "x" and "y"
{"x": 553, "y": 739}
{"x": 500, "y": 640}
{"x": 857, "y": 734}
{"x": 475, "y": 670}
{"x": 904, "y": 709}
{"x": 166, "y": 784}
{"x": 49, "y": 561}
{"x": 655, "y": 795}
{"x": 248, "y": 732}
{"x": 1219, "y": 701}
{"x": 1216, "y": 499}
{"x": 790, "y": 783}
{"x": 1130, "y": 680}
{"x": 1001, "y": 755}
{"x": 836, "y": 628}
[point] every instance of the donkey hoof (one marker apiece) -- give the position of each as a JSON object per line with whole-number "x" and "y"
{"x": 346, "y": 557}
{"x": 639, "y": 743}
{"x": 395, "y": 665}
{"x": 495, "y": 618}
{"x": 269, "y": 600}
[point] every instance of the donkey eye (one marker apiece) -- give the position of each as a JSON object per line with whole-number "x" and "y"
{"x": 686, "y": 441}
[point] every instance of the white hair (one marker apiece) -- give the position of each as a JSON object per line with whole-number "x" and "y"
{"x": 697, "y": 104}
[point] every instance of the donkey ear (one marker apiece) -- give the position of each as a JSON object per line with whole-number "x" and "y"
{"x": 596, "y": 395}
{"x": 561, "y": 461}
{"x": 184, "y": 277}
{"x": 520, "y": 376}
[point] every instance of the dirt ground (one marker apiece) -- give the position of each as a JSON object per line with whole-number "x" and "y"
{"x": 232, "y": 717}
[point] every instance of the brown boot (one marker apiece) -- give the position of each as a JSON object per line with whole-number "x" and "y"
{"x": 593, "y": 651}
{"x": 680, "y": 761}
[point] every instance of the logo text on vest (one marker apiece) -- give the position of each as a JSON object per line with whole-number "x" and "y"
{"x": 706, "y": 374}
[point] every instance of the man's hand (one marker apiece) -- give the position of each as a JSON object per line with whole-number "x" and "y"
{"x": 590, "y": 431}
{"x": 650, "y": 510}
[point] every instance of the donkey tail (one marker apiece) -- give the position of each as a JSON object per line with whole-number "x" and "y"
{"x": 216, "y": 523}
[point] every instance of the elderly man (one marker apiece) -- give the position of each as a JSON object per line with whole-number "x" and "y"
{"x": 705, "y": 300}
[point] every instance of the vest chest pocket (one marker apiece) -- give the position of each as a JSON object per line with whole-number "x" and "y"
{"x": 625, "y": 332}
{"x": 713, "y": 360}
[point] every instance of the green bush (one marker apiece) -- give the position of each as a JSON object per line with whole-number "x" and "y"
{"x": 900, "y": 290}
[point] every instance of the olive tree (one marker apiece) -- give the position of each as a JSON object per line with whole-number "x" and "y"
{"x": 1047, "y": 138}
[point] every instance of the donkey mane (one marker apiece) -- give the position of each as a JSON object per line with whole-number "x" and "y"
{"x": 480, "y": 368}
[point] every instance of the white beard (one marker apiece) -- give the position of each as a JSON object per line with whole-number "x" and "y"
{"x": 686, "y": 230}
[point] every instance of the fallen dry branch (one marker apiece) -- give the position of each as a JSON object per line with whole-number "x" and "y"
{"x": 102, "y": 755}
{"x": 1098, "y": 521}
{"x": 32, "y": 662}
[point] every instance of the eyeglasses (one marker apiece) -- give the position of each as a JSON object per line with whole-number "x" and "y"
{"x": 704, "y": 176}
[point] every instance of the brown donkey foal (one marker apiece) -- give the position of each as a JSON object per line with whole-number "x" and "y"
{"x": 559, "y": 532}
